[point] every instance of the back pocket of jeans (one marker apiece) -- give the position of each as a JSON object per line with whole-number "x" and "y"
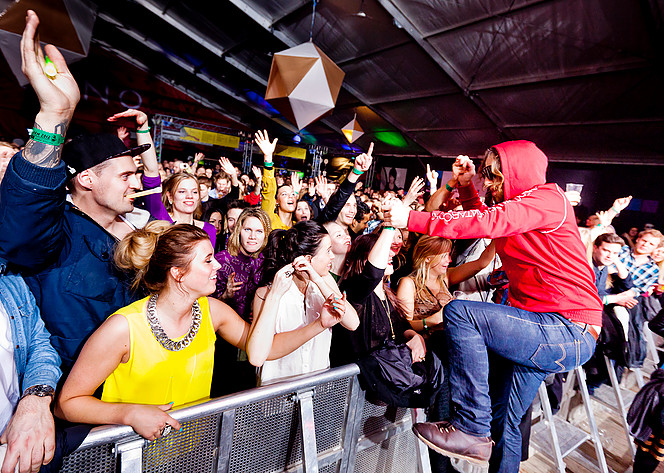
{"x": 556, "y": 357}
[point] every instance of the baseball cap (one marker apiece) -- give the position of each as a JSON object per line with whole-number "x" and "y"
{"x": 86, "y": 151}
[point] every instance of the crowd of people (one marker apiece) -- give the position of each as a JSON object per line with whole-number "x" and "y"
{"x": 132, "y": 286}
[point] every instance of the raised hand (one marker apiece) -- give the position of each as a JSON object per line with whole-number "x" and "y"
{"x": 256, "y": 172}
{"x": 363, "y": 161}
{"x": 333, "y": 310}
{"x": 414, "y": 192}
{"x": 621, "y": 204}
{"x": 139, "y": 116}
{"x": 322, "y": 188}
{"x": 463, "y": 170}
{"x": 395, "y": 213}
{"x": 432, "y": 177}
{"x": 227, "y": 166}
{"x": 123, "y": 133}
{"x": 198, "y": 157}
{"x": 296, "y": 184}
{"x": 232, "y": 286}
{"x": 57, "y": 95}
{"x": 262, "y": 139}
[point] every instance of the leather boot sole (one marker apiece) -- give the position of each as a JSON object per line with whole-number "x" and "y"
{"x": 449, "y": 454}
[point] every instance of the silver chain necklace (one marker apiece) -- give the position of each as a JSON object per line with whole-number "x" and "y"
{"x": 158, "y": 331}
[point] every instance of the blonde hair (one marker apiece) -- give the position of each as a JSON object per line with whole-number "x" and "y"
{"x": 434, "y": 248}
{"x": 170, "y": 186}
{"x": 234, "y": 239}
{"x": 150, "y": 252}
{"x": 492, "y": 156}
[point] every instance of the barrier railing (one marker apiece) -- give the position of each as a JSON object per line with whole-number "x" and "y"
{"x": 314, "y": 423}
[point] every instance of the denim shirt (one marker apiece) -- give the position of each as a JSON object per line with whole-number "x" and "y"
{"x": 36, "y": 360}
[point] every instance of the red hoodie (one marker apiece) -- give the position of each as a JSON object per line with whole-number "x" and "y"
{"x": 535, "y": 233}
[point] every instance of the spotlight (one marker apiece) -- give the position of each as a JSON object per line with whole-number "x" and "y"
{"x": 297, "y": 139}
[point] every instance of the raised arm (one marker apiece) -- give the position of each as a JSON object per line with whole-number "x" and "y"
{"x": 337, "y": 201}
{"x": 32, "y": 197}
{"x": 143, "y": 136}
{"x": 269, "y": 190}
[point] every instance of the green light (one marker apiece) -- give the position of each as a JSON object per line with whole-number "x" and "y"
{"x": 392, "y": 138}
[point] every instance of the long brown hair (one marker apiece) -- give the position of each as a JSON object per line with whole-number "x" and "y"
{"x": 433, "y": 248}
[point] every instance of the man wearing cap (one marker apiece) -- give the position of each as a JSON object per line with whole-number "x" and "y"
{"x": 63, "y": 244}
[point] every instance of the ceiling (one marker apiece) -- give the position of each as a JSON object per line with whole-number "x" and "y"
{"x": 583, "y": 79}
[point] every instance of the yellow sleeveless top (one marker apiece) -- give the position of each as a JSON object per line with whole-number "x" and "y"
{"x": 154, "y": 375}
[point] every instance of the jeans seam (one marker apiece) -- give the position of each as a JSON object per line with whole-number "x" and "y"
{"x": 535, "y": 323}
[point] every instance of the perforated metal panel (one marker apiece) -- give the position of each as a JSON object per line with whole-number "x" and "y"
{"x": 394, "y": 455}
{"x": 330, "y": 406}
{"x": 192, "y": 450}
{"x": 378, "y": 416}
{"x": 331, "y": 468}
{"x": 270, "y": 427}
{"x": 99, "y": 459}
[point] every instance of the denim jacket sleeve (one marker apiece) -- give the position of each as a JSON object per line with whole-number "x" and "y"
{"x": 32, "y": 204}
{"x": 36, "y": 360}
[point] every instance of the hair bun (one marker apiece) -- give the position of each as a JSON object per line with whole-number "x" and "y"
{"x": 134, "y": 251}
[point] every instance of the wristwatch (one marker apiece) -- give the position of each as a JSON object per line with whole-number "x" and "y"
{"x": 39, "y": 390}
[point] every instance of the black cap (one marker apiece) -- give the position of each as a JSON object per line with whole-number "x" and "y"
{"x": 86, "y": 151}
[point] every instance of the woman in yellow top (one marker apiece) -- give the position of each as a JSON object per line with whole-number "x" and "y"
{"x": 278, "y": 202}
{"x": 159, "y": 351}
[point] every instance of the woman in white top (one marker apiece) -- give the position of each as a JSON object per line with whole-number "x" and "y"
{"x": 297, "y": 291}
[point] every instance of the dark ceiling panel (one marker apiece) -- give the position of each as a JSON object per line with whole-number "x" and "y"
{"x": 452, "y": 143}
{"x": 398, "y": 73}
{"x": 430, "y": 16}
{"x": 554, "y": 39}
{"x": 341, "y": 34}
{"x": 615, "y": 97}
{"x": 445, "y": 111}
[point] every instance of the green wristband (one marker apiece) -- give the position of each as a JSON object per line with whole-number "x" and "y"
{"x": 424, "y": 326}
{"x": 41, "y": 136}
{"x": 357, "y": 171}
{"x": 388, "y": 228}
{"x": 143, "y": 131}
{"x": 447, "y": 186}
{"x": 268, "y": 165}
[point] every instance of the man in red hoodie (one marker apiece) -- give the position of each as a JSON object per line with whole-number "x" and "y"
{"x": 553, "y": 314}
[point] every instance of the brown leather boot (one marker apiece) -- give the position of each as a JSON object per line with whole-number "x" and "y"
{"x": 445, "y": 439}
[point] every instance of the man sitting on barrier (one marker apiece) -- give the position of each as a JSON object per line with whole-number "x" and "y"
{"x": 159, "y": 351}
{"x": 554, "y": 312}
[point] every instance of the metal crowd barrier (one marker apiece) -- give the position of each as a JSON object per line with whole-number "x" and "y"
{"x": 314, "y": 423}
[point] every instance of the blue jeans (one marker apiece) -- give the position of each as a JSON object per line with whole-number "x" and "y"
{"x": 537, "y": 344}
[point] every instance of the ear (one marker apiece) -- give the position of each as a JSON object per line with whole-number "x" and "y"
{"x": 169, "y": 197}
{"x": 176, "y": 273}
{"x": 86, "y": 179}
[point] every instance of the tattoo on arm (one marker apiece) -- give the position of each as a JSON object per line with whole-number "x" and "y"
{"x": 43, "y": 155}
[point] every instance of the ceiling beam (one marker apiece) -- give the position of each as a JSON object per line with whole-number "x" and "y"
{"x": 412, "y": 30}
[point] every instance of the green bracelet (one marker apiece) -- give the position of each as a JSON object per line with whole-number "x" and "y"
{"x": 424, "y": 326}
{"x": 41, "y": 136}
{"x": 143, "y": 131}
{"x": 388, "y": 228}
{"x": 447, "y": 186}
{"x": 357, "y": 171}
{"x": 614, "y": 209}
{"x": 268, "y": 165}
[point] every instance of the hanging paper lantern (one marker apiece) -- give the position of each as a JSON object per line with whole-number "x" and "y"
{"x": 304, "y": 84}
{"x": 352, "y": 130}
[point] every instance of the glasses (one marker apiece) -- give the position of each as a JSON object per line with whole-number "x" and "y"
{"x": 487, "y": 174}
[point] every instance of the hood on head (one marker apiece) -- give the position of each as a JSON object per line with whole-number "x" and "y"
{"x": 523, "y": 164}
